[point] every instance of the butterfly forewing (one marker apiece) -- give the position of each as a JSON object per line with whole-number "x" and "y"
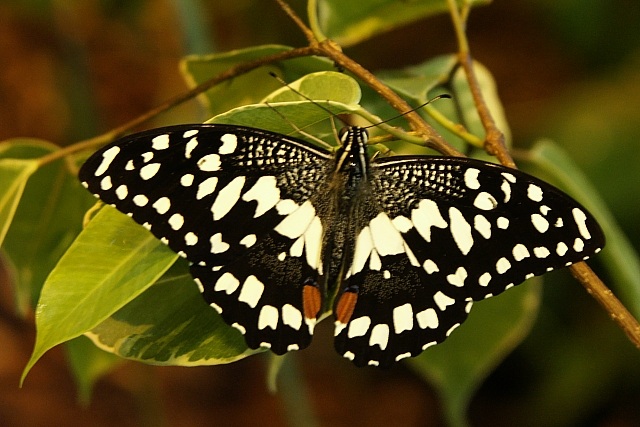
{"x": 446, "y": 232}
{"x": 220, "y": 196}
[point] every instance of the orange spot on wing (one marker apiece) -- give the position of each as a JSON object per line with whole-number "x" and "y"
{"x": 311, "y": 301}
{"x": 345, "y": 306}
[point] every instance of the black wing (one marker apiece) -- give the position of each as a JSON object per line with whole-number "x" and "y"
{"x": 234, "y": 201}
{"x": 439, "y": 233}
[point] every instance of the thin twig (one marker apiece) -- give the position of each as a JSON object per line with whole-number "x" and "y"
{"x": 229, "y": 73}
{"x": 598, "y": 290}
{"x": 494, "y": 144}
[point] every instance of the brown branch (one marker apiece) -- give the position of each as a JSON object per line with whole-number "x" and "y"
{"x": 598, "y": 290}
{"x": 494, "y": 145}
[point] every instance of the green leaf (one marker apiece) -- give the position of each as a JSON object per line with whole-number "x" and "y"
{"x": 618, "y": 257}
{"x": 233, "y": 93}
{"x": 111, "y": 262}
{"x": 349, "y": 22}
{"x": 321, "y": 86}
{"x": 334, "y": 93}
{"x": 14, "y": 173}
{"x": 47, "y": 219}
{"x": 170, "y": 324}
{"x": 494, "y": 328}
{"x": 418, "y": 84}
{"x": 88, "y": 364}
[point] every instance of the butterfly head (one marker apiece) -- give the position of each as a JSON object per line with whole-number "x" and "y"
{"x": 352, "y": 155}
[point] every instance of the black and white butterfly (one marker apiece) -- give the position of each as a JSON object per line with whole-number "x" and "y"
{"x": 280, "y": 232}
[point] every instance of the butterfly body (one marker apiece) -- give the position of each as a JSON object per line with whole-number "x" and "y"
{"x": 280, "y": 232}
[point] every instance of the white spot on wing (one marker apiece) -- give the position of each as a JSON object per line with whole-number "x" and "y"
{"x": 539, "y": 222}
{"x": 502, "y": 223}
{"x": 430, "y": 267}
{"x": 503, "y": 265}
{"x": 286, "y": 206}
{"x": 160, "y": 142}
{"x": 206, "y": 187}
{"x": 402, "y": 223}
{"x": 176, "y": 221}
{"x": 162, "y": 205}
{"x": 227, "y": 283}
{"x": 105, "y": 183}
{"x": 291, "y": 316}
{"x": 460, "y": 230}
{"x": 443, "y": 301}
{"x": 403, "y": 318}
{"x": 458, "y": 278}
{"x": 227, "y": 198}
{"x": 107, "y": 157}
{"x": 379, "y": 336}
{"x": 425, "y": 216}
{"x": 534, "y": 193}
{"x": 506, "y": 189}
{"x": 581, "y": 219}
{"x": 248, "y": 240}
{"x": 387, "y": 240}
{"x": 313, "y": 243}
{"x": 482, "y": 226}
{"x": 229, "y": 143}
{"x": 186, "y": 180}
{"x": 265, "y": 192}
{"x": 217, "y": 245}
{"x": 140, "y": 200}
{"x": 428, "y": 319}
{"x": 561, "y": 249}
{"x": 122, "y": 191}
{"x": 191, "y": 145}
{"x": 520, "y": 252}
{"x": 471, "y": 178}
{"x": 149, "y": 171}
{"x": 541, "y": 252}
{"x": 358, "y": 327}
{"x": 485, "y": 201}
{"x": 251, "y": 291}
{"x": 190, "y": 239}
{"x": 484, "y": 279}
{"x": 268, "y": 317}
{"x": 209, "y": 163}
{"x": 295, "y": 224}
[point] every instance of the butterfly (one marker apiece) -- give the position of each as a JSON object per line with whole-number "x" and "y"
{"x": 279, "y": 232}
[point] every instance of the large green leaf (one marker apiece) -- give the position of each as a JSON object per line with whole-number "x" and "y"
{"x": 458, "y": 366}
{"x": 47, "y": 219}
{"x": 349, "y": 22}
{"x": 170, "y": 324}
{"x": 111, "y": 262}
{"x": 233, "y": 93}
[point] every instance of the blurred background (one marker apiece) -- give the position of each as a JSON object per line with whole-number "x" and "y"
{"x": 567, "y": 70}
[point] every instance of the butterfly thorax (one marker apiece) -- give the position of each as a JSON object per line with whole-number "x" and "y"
{"x": 348, "y": 186}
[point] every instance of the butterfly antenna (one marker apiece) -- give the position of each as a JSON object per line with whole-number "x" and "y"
{"x": 435, "y": 98}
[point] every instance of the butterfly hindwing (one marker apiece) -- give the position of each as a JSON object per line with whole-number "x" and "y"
{"x": 465, "y": 230}
{"x": 229, "y": 199}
